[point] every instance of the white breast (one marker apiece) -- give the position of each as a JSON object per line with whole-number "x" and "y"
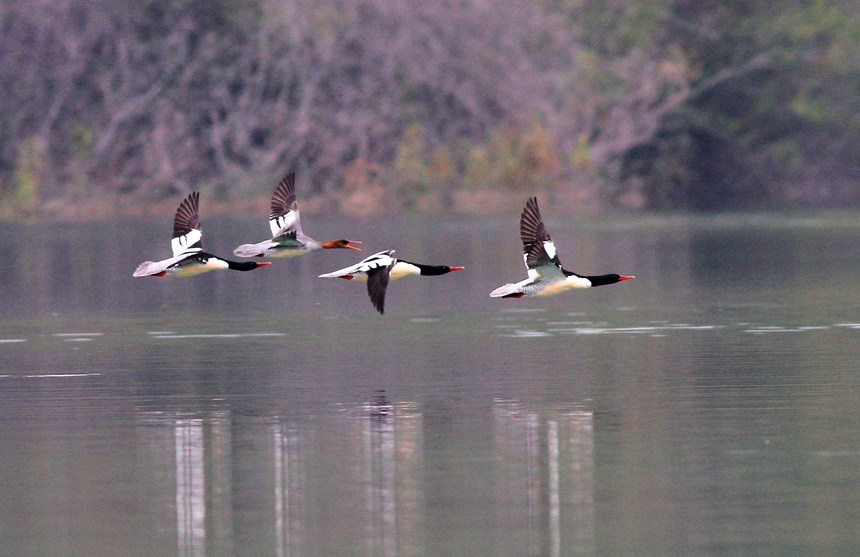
{"x": 402, "y": 269}
{"x": 569, "y": 283}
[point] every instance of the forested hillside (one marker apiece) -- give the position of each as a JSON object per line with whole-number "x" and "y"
{"x": 432, "y": 104}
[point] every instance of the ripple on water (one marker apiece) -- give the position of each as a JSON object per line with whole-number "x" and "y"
{"x": 553, "y": 328}
{"x": 217, "y": 335}
{"x": 512, "y": 326}
{"x": 836, "y": 453}
{"x": 660, "y": 330}
{"x": 521, "y": 333}
{"x": 760, "y": 330}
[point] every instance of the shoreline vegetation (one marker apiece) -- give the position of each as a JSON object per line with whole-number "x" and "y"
{"x": 467, "y": 106}
{"x": 360, "y": 204}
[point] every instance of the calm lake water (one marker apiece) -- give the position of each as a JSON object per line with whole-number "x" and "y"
{"x": 709, "y": 407}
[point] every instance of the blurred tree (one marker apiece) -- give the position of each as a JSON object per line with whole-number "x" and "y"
{"x": 767, "y": 118}
{"x": 668, "y": 103}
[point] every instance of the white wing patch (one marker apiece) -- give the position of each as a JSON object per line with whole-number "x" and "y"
{"x": 181, "y": 244}
{"x": 381, "y": 259}
{"x": 549, "y": 247}
{"x": 284, "y": 223}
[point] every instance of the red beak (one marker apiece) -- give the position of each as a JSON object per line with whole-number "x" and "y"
{"x": 625, "y": 277}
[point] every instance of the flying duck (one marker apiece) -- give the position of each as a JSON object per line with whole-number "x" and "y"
{"x": 546, "y": 275}
{"x": 380, "y": 268}
{"x": 287, "y": 237}
{"x": 187, "y": 244}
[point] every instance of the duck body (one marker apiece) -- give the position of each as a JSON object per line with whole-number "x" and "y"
{"x": 189, "y": 259}
{"x": 278, "y": 247}
{"x": 367, "y": 267}
{"x": 546, "y": 276}
{"x": 381, "y": 268}
{"x": 190, "y": 264}
{"x": 288, "y": 240}
{"x": 543, "y": 286}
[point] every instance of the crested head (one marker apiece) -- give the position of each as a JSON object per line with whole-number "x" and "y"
{"x": 341, "y": 244}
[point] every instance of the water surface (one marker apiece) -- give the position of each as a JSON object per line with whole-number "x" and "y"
{"x": 710, "y": 407}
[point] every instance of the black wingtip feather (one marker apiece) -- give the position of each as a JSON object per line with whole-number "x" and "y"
{"x": 284, "y": 197}
{"x": 532, "y": 228}
{"x": 187, "y": 215}
{"x": 377, "y": 284}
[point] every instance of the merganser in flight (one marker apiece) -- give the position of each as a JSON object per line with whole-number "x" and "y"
{"x": 546, "y": 275}
{"x": 187, "y": 243}
{"x": 287, "y": 237}
{"x": 380, "y": 268}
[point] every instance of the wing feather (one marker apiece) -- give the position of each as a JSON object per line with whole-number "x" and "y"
{"x": 538, "y": 248}
{"x": 284, "y": 213}
{"x": 187, "y": 235}
{"x": 377, "y": 284}
{"x": 366, "y": 265}
{"x": 532, "y": 228}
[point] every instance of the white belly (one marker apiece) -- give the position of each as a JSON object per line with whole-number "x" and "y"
{"x": 569, "y": 283}
{"x": 190, "y": 270}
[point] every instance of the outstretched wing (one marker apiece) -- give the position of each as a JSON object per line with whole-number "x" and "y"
{"x": 284, "y": 213}
{"x": 365, "y": 266}
{"x": 187, "y": 235}
{"x": 377, "y": 283}
{"x": 538, "y": 248}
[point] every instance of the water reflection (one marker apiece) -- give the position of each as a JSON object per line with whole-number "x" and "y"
{"x": 545, "y": 479}
{"x": 190, "y": 487}
{"x": 350, "y": 478}
{"x": 392, "y": 465}
{"x": 291, "y": 500}
{"x": 370, "y": 456}
{"x": 201, "y": 448}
